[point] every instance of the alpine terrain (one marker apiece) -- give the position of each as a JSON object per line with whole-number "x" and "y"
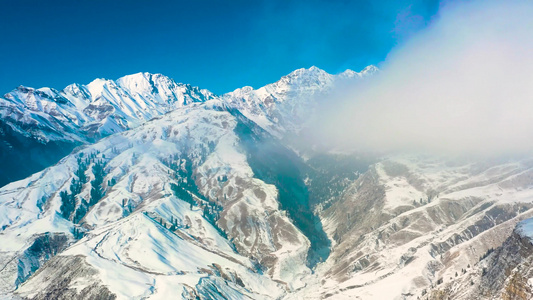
{"x": 144, "y": 188}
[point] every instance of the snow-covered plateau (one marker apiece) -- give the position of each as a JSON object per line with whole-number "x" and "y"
{"x": 164, "y": 190}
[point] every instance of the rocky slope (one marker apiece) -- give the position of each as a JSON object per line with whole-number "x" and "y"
{"x": 503, "y": 272}
{"x": 411, "y": 225}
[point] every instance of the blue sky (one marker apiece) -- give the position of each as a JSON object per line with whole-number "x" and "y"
{"x": 218, "y": 45}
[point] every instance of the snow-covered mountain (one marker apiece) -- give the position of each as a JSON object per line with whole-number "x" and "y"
{"x": 221, "y": 182}
{"x": 40, "y": 126}
{"x": 103, "y": 107}
{"x": 178, "y": 193}
{"x": 287, "y": 104}
{"x": 173, "y": 206}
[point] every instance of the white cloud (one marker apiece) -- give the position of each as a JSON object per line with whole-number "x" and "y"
{"x": 462, "y": 85}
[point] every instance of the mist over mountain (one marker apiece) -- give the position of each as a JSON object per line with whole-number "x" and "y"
{"x": 211, "y": 200}
{"x": 221, "y": 182}
{"x": 459, "y": 87}
{"x": 409, "y": 181}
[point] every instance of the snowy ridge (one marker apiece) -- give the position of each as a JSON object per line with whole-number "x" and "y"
{"x": 85, "y": 112}
{"x": 286, "y": 104}
{"x": 40, "y": 126}
{"x": 164, "y": 184}
{"x": 102, "y": 107}
{"x": 51, "y": 123}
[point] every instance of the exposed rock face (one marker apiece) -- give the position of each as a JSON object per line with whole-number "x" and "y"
{"x": 501, "y": 273}
{"x": 61, "y": 278}
{"x": 44, "y": 247}
{"x": 18, "y": 266}
{"x": 508, "y": 270}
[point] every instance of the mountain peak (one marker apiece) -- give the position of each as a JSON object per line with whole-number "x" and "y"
{"x": 96, "y": 87}
{"x": 312, "y": 71}
{"x": 304, "y": 78}
{"x": 143, "y": 76}
{"x": 367, "y": 71}
{"x": 144, "y": 82}
{"x": 370, "y": 69}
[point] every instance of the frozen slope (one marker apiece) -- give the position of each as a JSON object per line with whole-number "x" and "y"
{"x": 184, "y": 180}
{"x": 136, "y": 257}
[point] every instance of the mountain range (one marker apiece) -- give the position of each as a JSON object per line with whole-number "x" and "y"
{"x": 147, "y": 188}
